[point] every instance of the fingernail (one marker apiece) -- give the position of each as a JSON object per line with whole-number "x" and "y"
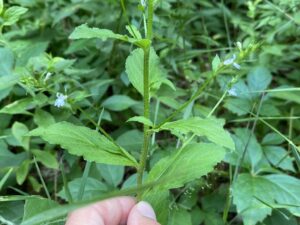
{"x": 146, "y": 210}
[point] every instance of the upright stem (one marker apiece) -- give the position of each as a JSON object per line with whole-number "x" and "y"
{"x": 145, "y": 149}
{"x": 144, "y": 153}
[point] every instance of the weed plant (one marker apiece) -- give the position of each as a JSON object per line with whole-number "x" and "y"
{"x": 192, "y": 106}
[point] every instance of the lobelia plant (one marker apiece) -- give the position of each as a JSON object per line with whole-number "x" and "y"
{"x": 203, "y": 142}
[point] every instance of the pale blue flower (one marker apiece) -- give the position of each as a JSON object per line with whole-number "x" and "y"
{"x": 232, "y": 92}
{"x": 60, "y": 100}
{"x": 231, "y": 61}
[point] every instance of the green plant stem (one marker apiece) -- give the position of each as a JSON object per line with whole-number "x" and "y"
{"x": 65, "y": 182}
{"x": 41, "y": 178}
{"x": 144, "y": 153}
{"x": 145, "y": 149}
{"x": 150, "y": 19}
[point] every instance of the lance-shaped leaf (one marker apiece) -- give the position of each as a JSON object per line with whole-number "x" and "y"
{"x": 211, "y": 128}
{"x": 255, "y": 196}
{"x": 186, "y": 164}
{"x": 85, "y": 32}
{"x": 135, "y": 67}
{"x": 82, "y": 141}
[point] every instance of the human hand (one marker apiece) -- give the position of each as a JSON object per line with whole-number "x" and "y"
{"x": 114, "y": 211}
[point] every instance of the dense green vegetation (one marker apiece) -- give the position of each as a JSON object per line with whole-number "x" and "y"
{"x": 193, "y": 106}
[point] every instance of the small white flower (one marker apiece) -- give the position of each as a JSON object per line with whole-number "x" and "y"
{"x": 144, "y": 3}
{"x": 60, "y": 100}
{"x": 239, "y": 45}
{"x": 48, "y": 75}
{"x": 232, "y": 61}
{"x": 232, "y": 92}
{"x": 237, "y": 66}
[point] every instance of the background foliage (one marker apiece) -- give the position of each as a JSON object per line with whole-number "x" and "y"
{"x": 257, "y": 181}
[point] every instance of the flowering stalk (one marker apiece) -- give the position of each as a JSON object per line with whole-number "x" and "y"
{"x": 145, "y": 149}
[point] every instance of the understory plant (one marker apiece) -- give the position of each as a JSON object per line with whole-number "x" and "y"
{"x": 184, "y": 162}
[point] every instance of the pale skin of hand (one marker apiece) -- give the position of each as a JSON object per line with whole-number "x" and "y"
{"x": 114, "y": 211}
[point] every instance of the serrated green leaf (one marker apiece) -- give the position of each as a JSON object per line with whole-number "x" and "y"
{"x": 250, "y": 193}
{"x": 141, "y": 119}
{"x": 85, "y": 32}
{"x": 211, "y": 128}
{"x": 13, "y": 14}
{"x": 135, "y": 68}
{"x": 82, "y": 141}
{"x": 118, "y": 103}
{"x": 186, "y": 164}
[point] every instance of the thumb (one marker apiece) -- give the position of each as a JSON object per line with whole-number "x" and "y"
{"x": 142, "y": 214}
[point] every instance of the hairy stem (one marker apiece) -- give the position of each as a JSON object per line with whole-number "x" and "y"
{"x": 145, "y": 149}
{"x": 144, "y": 153}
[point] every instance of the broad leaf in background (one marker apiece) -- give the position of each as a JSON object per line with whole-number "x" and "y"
{"x": 258, "y": 79}
{"x": 278, "y": 157}
{"x": 35, "y": 206}
{"x": 186, "y": 164}
{"x": 280, "y": 217}
{"x": 135, "y": 68}
{"x": 6, "y": 62}
{"x": 93, "y": 187}
{"x": 210, "y": 128}
{"x": 113, "y": 175}
{"x": 82, "y": 141}
{"x": 19, "y": 130}
{"x": 141, "y": 119}
{"x": 254, "y": 196}
{"x": 179, "y": 216}
{"x": 23, "y": 171}
{"x": 23, "y": 105}
{"x": 7, "y": 79}
{"x": 118, "y": 103}
{"x": 253, "y": 154}
{"x": 43, "y": 118}
{"x": 46, "y": 158}
{"x": 13, "y": 14}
